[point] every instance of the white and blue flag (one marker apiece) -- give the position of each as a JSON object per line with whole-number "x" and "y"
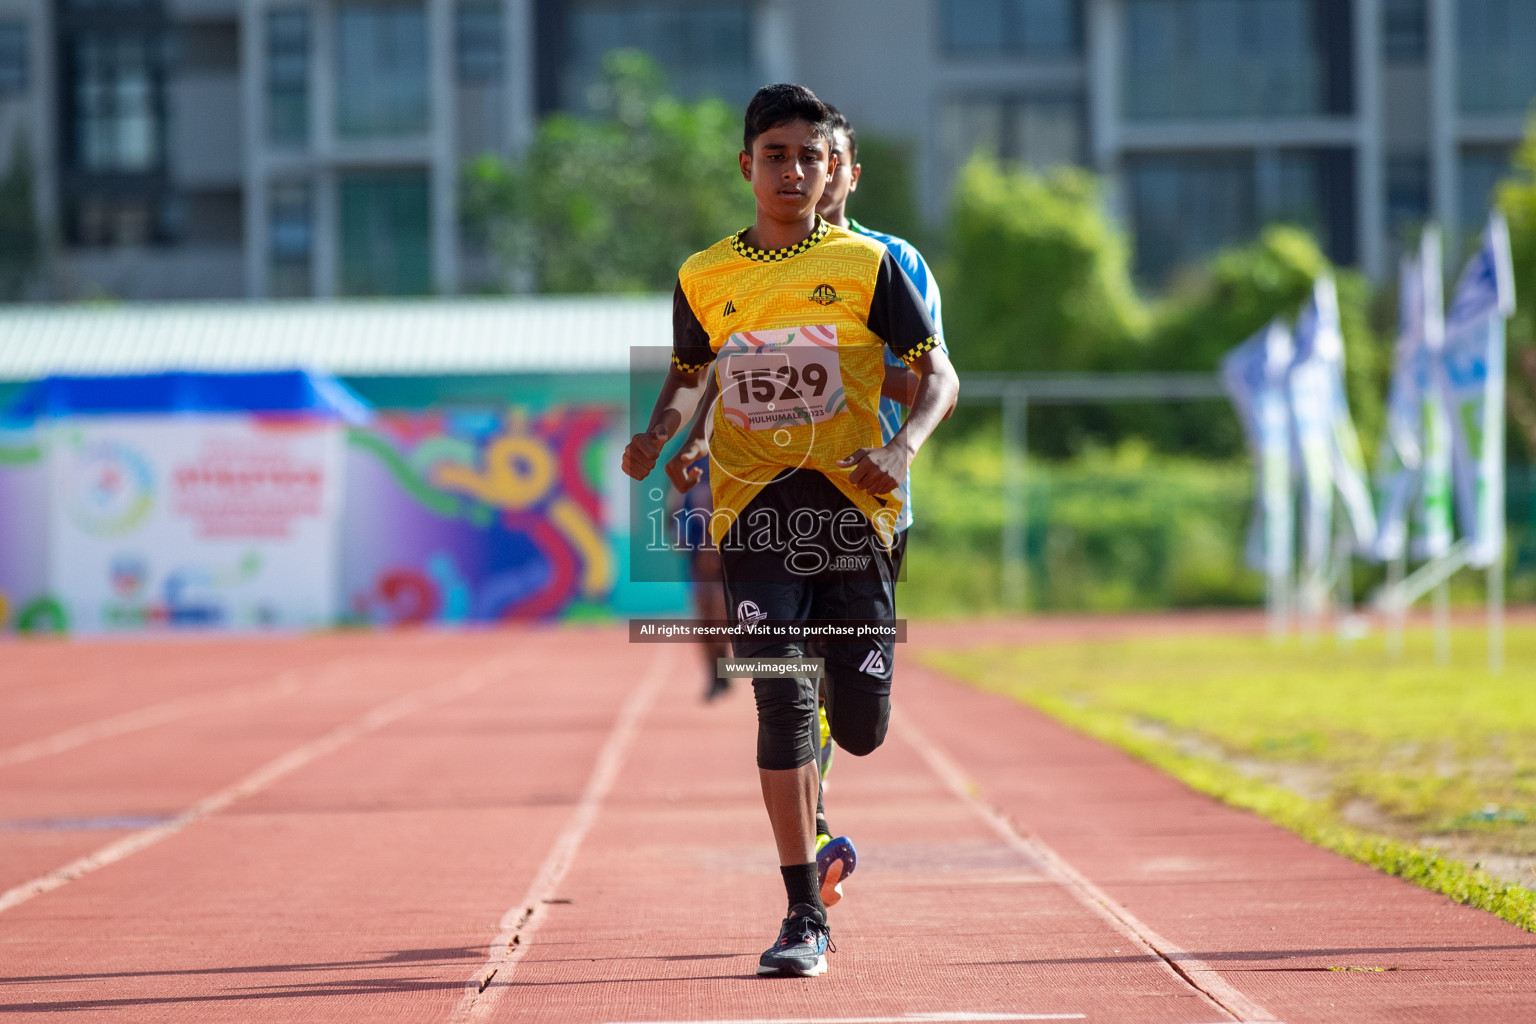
{"x": 1470, "y": 374}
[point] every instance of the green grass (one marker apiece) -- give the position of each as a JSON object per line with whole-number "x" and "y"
{"x": 1382, "y": 761}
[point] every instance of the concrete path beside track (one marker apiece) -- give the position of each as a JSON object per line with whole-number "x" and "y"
{"x": 359, "y": 827}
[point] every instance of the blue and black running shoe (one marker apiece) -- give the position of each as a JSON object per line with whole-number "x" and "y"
{"x": 802, "y": 946}
{"x": 835, "y": 861}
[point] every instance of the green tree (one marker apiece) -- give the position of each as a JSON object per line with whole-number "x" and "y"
{"x": 1039, "y": 277}
{"x": 21, "y": 244}
{"x": 614, "y": 202}
{"x": 886, "y": 197}
{"x": 1240, "y": 290}
{"x": 1517, "y": 198}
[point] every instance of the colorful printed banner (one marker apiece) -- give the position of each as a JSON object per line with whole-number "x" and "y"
{"x": 206, "y": 521}
{"x": 1471, "y": 382}
{"x": 477, "y": 516}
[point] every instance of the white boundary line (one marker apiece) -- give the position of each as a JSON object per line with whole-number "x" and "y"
{"x": 1185, "y": 967}
{"x": 150, "y": 716}
{"x": 523, "y": 918}
{"x": 468, "y": 681}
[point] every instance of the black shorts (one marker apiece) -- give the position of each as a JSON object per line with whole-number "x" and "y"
{"x": 830, "y": 569}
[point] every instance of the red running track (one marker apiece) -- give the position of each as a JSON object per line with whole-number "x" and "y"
{"x": 357, "y": 828}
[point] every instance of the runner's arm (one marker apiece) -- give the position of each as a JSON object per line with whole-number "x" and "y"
{"x": 680, "y": 469}
{"x": 691, "y": 356}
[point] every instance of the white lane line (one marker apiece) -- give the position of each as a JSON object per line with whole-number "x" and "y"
{"x": 468, "y": 681}
{"x": 523, "y": 918}
{"x": 1196, "y": 973}
{"x": 150, "y": 716}
{"x": 911, "y": 1018}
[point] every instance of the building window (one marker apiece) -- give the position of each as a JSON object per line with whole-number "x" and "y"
{"x": 1029, "y": 28}
{"x": 1482, "y": 168}
{"x": 290, "y": 239}
{"x": 118, "y": 103}
{"x": 288, "y": 77}
{"x": 1237, "y": 58}
{"x": 1407, "y": 196}
{"x": 13, "y": 58}
{"x": 381, "y": 71}
{"x": 1405, "y": 30}
{"x": 703, "y": 48}
{"x": 477, "y": 41}
{"x": 386, "y": 242}
{"x": 1185, "y": 206}
{"x": 1037, "y": 131}
{"x": 1496, "y": 41}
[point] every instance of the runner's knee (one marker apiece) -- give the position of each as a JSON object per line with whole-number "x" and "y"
{"x": 786, "y": 722}
{"x": 859, "y": 720}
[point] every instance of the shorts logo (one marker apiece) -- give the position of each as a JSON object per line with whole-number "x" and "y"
{"x": 749, "y": 614}
{"x": 873, "y": 663}
{"x": 824, "y": 294}
{"x": 730, "y": 307}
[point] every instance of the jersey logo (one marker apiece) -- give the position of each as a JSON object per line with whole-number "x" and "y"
{"x": 825, "y": 294}
{"x": 730, "y": 307}
{"x": 873, "y": 664}
{"x": 749, "y": 614}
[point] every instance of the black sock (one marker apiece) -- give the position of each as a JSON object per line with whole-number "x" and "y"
{"x": 822, "y": 828}
{"x": 802, "y": 886}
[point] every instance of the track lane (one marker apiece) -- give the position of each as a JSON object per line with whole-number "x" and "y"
{"x": 364, "y": 886}
{"x": 1275, "y": 918}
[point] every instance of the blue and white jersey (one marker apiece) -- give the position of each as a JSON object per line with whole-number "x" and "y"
{"x": 893, "y": 412}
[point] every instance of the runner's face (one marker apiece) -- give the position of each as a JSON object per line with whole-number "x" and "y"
{"x": 788, "y": 168}
{"x": 843, "y": 180}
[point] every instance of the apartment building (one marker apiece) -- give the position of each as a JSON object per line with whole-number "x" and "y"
{"x": 290, "y": 148}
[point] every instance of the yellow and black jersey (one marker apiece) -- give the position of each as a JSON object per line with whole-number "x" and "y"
{"x": 796, "y": 336}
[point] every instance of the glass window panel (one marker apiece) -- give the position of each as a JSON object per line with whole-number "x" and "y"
{"x": 1482, "y": 168}
{"x": 1046, "y": 133}
{"x": 702, "y": 49}
{"x": 973, "y": 25}
{"x": 13, "y": 58}
{"x": 1034, "y": 28}
{"x": 381, "y": 70}
{"x": 1496, "y": 40}
{"x": 386, "y": 246}
{"x": 1185, "y": 207}
{"x": 1222, "y": 58}
{"x": 1046, "y": 27}
{"x": 290, "y": 240}
{"x": 1405, "y": 30}
{"x": 1407, "y": 194}
{"x": 477, "y": 41}
{"x": 117, "y": 108}
{"x": 288, "y": 76}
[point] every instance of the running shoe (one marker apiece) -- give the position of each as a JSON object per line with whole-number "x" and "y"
{"x": 824, "y": 755}
{"x": 801, "y": 949}
{"x": 835, "y": 861}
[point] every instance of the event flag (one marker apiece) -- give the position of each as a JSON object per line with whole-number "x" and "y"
{"x": 1325, "y": 435}
{"x": 1414, "y": 458}
{"x": 1471, "y": 381}
{"x": 1254, "y": 375}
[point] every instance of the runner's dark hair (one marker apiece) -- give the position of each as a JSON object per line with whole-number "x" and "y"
{"x": 779, "y": 104}
{"x": 838, "y": 123}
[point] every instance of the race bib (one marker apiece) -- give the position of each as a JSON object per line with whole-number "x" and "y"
{"x": 782, "y": 378}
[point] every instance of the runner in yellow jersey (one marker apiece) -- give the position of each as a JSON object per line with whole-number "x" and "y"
{"x": 793, "y": 316}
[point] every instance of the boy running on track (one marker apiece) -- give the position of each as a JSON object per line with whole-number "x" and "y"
{"x": 836, "y": 858}
{"x": 799, "y": 312}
